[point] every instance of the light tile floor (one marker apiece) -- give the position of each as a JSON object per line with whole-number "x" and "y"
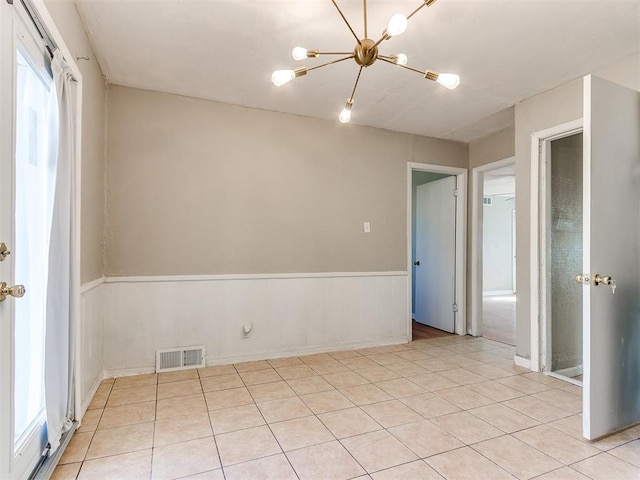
{"x": 451, "y": 407}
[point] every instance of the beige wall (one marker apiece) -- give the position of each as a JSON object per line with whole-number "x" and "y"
{"x": 497, "y": 146}
{"x": 560, "y": 105}
{"x": 199, "y": 187}
{"x": 68, "y": 22}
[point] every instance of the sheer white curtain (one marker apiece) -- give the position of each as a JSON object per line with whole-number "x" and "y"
{"x": 60, "y": 323}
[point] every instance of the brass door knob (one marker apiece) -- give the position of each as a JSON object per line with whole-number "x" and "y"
{"x": 3, "y": 251}
{"x": 17, "y": 291}
{"x": 602, "y": 279}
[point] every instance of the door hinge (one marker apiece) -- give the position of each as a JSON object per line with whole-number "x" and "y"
{"x": 455, "y": 307}
{"x": 455, "y": 192}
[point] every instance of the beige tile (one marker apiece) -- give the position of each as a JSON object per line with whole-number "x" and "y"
{"x": 386, "y": 358}
{"x": 128, "y": 415}
{"x": 322, "y": 462}
{"x": 210, "y": 475}
{"x": 245, "y": 445}
{"x": 256, "y": 377}
{"x": 545, "y": 379}
{"x": 504, "y": 418}
{"x": 564, "y": 473}
{"x": 186, "y": 458}
{"x": 414, "y": 470}
{"x": 489, "y": 371}
{"x": 425, "y": 439}
{"x": 345, "y": 379}
{"x": 179, "y": 406}
{"x": 283, "y": 409}
{"x": 276, "y": 467}
{"x": 496, "y": 391}
{"x": 221, "y": 382}
{"x": 516, "y": 457}
{"x": 90, "y": 420}
{"x": 542, "y": 411}
{"x": 378, "y": 374}
{"x": 309, "y": 385}
{"x": 251, "y": 366}
{"x": 466, "y": 428}
{"x": 569, "y": 402}
{"x": 378, "y": 450}
{"x": 524, "y": 385}
{"x": 271, "y": 391}
{"x": 400, "y": 387}
{"x": 365, "y": 394}
{"x": 100, "y": 398}
{"x": 344, "y": 354}
{"x": 326, "y": 401}
{"x": 179, "y": 389}
{"x": 126, "y": 396}
{"x": 316, "y": 358}
{"x": 605, "y": 466}
{"x": 433, "y": 382}
{"x": 77, "y": 448}
{"x": 66, "y": 472}
{"x": 348, "y": 422}
{"x": 391, "y": 413}
{"x": 407, "y": 369}
{"x": 413, "y": 355}
{"x": 556, "y": 444}
{"x": 181, "y": 429}
{"x": 429, "y": 405}
{"x": 114, "y": 441}
{"x": 464, "y": 398}
{"x": 327, "y": 367}
{"x": 629, "y": 452}
{"x": 285, "y": 362}
{"x": 235, "y": 418}
{"x": 178, "y": 375}
{"x": 130, "y": 465}
{"x": 300, "y": 433}
{"x": 358, "y": 363}
{"x": 135, "y": 381}
{"x": 233, "y": 397}
{"x": 462, "y": 376}
{"x": 216, "y": 370}
{"x": 295, "y": 371}
{"x": 466, "y": 464}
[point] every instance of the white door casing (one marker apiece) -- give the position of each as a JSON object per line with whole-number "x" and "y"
{"x": 435, "y": 250}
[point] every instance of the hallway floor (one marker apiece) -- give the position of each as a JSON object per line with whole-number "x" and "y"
{"x": 499, "y": 318}
{"x": 450, "y": 407}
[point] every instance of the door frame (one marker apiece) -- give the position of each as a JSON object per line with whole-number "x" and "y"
{"x": 540, "y": 146}
{"x": 477, "y": 212}
{"x": 7, "y": 135}
{"x": 460, "y": 323}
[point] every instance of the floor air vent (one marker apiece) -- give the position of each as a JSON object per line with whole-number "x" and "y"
{"x": 181, "y": 358}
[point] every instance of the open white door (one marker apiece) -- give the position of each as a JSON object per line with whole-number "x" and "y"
{"x": 436, "y": 254}
{"x": 611, "y": 388}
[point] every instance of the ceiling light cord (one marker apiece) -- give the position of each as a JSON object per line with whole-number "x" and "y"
{"x": 364, "y": 7}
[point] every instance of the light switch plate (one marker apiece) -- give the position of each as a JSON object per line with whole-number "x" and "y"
{"x": 367, "y": 227}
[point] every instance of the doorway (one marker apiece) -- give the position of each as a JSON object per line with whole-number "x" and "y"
{"x": 436, "y": 239}
{"x": 493, "y": 266}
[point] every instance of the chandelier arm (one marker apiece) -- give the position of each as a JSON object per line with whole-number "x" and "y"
{"x": 426, "y": 3}
{"x": 335, "y": 53}
{"x": 346, "y": 21}
{"x": 385, "y": 36}
{"x": 353, "y": 92}
{"x": 329, "y": 63}
{"x": 387, "y": 60}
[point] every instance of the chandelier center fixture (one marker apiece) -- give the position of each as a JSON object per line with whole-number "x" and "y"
{"x": 365, "y": 54}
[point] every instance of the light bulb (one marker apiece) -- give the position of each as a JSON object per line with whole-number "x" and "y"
{"x": 448, "y": 80}
{"x": 280, "y": 77}
{"x": 299, "y": 53}
{"x": 397, "y": 25}
{"x": 345, "y": 114}
{"x": 401, "y": 59}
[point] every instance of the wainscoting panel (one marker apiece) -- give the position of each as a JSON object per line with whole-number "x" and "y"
{"x": 92, "y": 305}
{"x": 289, "y": 315}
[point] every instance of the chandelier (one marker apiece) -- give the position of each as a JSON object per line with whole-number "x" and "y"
{"x": 365, "y": 54}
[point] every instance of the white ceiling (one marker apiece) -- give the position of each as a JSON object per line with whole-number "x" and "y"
{"x": 225, "y": 50}
{"x": 500, "y": 181}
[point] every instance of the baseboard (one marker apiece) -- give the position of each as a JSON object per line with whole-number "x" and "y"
{"x": 493, "y": 293}
{"x": 570, "y": 372}
{"x": 522, "y": 362}
{"x": 86, "y": 401}
{"x": 293, "y": 352}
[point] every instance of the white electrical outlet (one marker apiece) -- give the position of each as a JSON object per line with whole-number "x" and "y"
{"x": 367, "y": 227}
